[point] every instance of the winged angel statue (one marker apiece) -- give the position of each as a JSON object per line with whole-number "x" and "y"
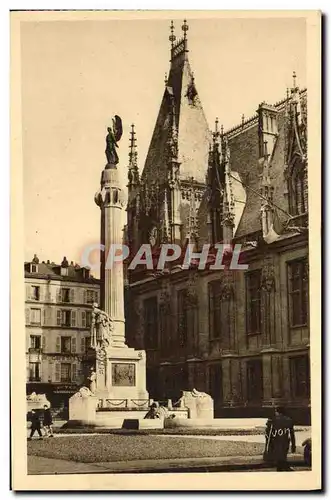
{"x": 114, "y": 135}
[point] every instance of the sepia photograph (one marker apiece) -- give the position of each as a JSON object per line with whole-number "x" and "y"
{"x": 165, "y": 299}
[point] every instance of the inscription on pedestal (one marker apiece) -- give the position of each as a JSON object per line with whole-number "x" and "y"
{"x": 123, "y": 374}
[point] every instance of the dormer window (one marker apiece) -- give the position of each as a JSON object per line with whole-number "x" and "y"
{"x": 64, "y": 271}
{"x": 33, "y": 268}
{"x": 86, "y": 273}
{"x": 64, "y": 267}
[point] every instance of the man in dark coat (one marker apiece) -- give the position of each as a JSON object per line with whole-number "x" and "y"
{"x": 279, "y": 434}
{"x": 48, "y": 421}
{"x": 35, "y": 424}
{"x": 153, "y": 412}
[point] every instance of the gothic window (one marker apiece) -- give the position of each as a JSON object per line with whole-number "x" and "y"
{"x": 164, "y": 318}
{"x": 215, "y": 382}
{"x": 300, "y": 378}
{"x": 298, "y": 194}
{"x": 298, "y": 292}
{"x": 182, "y": 316}
{"x": 254, "y": 380}
{"x": 253, "y": 302}
{"x": 219, "y": 312}
{"x": 151, "y": 323}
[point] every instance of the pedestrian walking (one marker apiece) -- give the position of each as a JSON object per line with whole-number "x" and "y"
{"x": 279, "y": 435}
{"x": 35, "y": 424}
{"x": 48, "y": 422}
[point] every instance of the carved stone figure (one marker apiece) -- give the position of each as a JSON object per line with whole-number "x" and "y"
{"x": 114, "y": 135}
{"x": 199, "y": 394}
{"x": 101, "y": 328}
{"x": 84, "y": 392}
{"x": 92, "y": 381}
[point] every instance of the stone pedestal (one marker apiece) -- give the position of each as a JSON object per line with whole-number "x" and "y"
{"x": 199, "y": 404}
{"x": 36, "y": 402}
{"x": 123, "y": 375}
{"x": 82, "y": 407}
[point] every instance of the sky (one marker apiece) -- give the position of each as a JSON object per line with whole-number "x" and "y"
{"x": 76, "y": 75}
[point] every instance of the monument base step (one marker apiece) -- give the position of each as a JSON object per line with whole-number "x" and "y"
{"x": 218, "y": 423}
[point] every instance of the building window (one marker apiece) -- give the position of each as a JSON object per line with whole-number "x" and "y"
{"x": 34, "y": 372}
{"x": 300, "y": 377}
{"x": 253, "y": 302}
{"x": 65, "y": 344}
{"x": 35, "y": 293}
{"x": 35, "y": 341}
{"x": 298, "y": 292}
{"x": 182, "y": 316}
{"x": 151, "y": 323}
{"x": 34, "y": 268}
{"x": 66, "y": 317}
{"x": 254, "y": 380}
{"x": 65, "y": 372}
{"x": 35, "y": 318}
{"x": 91, "y": 297}
{"x": 65, "y": 294}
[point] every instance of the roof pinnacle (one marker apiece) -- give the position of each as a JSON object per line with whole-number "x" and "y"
{"x": 172, "y": 37}
{"x": 216, "y": 126}
{"x": 185, "y": 29}
{"x": 133, "y": 147}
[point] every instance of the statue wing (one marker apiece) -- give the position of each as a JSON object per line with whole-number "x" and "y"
{"x": 117, "y": 127}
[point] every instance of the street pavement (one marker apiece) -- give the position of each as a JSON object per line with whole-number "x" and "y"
{"x": 46, "y": 466}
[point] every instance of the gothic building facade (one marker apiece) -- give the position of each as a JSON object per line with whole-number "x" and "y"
{"x": 240, "y": 335}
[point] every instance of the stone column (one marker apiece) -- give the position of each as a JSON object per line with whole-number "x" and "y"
{"x": 111, "y": 201}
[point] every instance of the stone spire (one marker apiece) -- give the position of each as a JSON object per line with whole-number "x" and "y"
{"x": 227, "y": 217}
{"x": 192, "y": 222}
{"x": 215, "y": 186}
{"x": 166, "y": 233}
{"x": 133, "y": 205}
{"x": 133, "y": 172}
{"x": 295, "y": 148}
{"x": 266, "y": 191}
